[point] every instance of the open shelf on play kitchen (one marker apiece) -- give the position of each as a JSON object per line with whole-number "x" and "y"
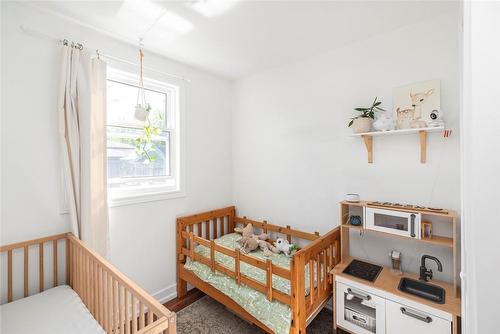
{"x": 422, "y": 132}
{"x": 444, "y": 229}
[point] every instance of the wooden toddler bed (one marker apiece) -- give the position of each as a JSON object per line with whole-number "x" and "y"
{"x": 111, "y": 302}
{"x": 206, "y": 230}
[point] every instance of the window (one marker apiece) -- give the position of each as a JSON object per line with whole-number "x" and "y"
{"x": 140, "y": 168}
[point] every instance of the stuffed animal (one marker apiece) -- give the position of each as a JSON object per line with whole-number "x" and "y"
{"x": 247, "y": 231}
{"x": 250, "y": 242}
{"x": 284, "y": 246}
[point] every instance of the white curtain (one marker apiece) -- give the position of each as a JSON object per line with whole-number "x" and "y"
{"x": 82, "y": 117}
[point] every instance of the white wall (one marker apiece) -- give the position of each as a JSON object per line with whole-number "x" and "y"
{"x": 142, "y": 235}
{"x": 293, "y": 158}
{"x": 481, "y": 165}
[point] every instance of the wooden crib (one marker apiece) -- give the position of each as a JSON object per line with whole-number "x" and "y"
{"x": 320, "y": 251}
{"x": 115, "y": 302}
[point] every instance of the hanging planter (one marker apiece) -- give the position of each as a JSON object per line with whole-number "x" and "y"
{"x": 142, "y": 108}
{"x": 145, "y": 148}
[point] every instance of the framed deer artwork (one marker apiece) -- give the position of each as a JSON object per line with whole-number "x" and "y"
{"x": 417, "y": 105}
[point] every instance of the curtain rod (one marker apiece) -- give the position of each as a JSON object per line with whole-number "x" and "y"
{"x": 99, "y": 53}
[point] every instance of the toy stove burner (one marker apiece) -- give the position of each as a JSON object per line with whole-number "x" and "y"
{"x": 363, "y": 270}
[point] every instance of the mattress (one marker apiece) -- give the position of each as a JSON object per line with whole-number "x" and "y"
{"x": 55, "y": 311}
{"x": 274, "y": 314}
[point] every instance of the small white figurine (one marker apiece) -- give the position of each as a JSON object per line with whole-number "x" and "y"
{"x": 384, "y": 122}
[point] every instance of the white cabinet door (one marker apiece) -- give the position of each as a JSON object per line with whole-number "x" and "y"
{"x": 402, "y": 319}
{"x": 358, "y": 311}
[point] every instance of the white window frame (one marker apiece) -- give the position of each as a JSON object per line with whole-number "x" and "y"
{"x": 157, "y": 189}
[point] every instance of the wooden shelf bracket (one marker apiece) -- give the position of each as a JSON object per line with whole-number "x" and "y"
{"x": 423, "y": 146}
{"x": 369, "y": 147}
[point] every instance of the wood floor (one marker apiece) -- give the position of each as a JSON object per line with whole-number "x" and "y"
{"x": 177, "y": 304}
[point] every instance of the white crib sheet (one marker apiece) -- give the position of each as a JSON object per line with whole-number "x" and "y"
{"x": 55, "y": 311}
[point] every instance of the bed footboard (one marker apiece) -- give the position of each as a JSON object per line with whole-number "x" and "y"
{"x": 321, "y": 255}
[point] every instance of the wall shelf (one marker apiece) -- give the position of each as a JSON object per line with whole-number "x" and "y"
{"x": 422, "y": 132}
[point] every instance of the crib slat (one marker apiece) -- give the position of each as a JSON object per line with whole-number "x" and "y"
{"x": 86, "y": 279}
{"x": 289, "y": 236}
{"x": 116, "y": 306}
{"x": 325, "y": 271}
{"x": 318, "y": 274}
{"x": 54, "y": 251}
{"x": 237, "y": 266}
{"x": 212, "y": 255}
{"x": 68, "y": 263}
{"x": 214, "y": 224}
{"x": 26, "y": 273}
{"x": 121, "y": 309}
{"x": 9, "y": 274}
{"x": 90, "y": 278}
{"x": 80, "y": 271}
{"x": 221, "y": 226}
{"x": 110, "y": 304}
{"x": 100, "y": 295}
{"x": 269, "y": 279}
{"x": 96, "y": 291}
{"x": 311, "y": 281}
{"x": 41, "y": 282}
{"x": 330, "y": 263}
{"x": 264, "y": 227}
{"x": 141, "y": 315}
{"x": 207, "y": 229}
{"x": 200, "y": 230}
{"x": 150, "y": 316}
{"x": 105, "y": 301}
{"x": 191, "y": 245}
{"x": 134, "y": 315}
{"x": 127, "y": 314}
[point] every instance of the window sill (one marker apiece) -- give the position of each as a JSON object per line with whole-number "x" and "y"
{"x": 144, "y": 198}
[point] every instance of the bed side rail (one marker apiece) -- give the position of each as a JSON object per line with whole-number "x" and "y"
{"x": 287, "y": 231}
{"x": 322, "y": 255}
{"x": 117, "y": 303}
{"x": 50, "y": 271}
{"x": 239, "y": 258}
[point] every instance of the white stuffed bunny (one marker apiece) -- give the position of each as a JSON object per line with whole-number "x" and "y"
{"x": 284, "y": 246}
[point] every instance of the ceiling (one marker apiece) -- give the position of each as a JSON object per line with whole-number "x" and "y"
{"x": 237, "y": 38}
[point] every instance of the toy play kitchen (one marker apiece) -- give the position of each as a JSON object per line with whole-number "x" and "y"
{"x": 373, "y": 298}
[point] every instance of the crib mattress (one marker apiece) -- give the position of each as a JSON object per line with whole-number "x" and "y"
{"x": 274, "y": 314}
{"x": 55, "y": 311}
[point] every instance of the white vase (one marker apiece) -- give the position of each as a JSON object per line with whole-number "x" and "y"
{"x": 141, "y": 113}
{"x": 383, "y": 123}
{"x": 362, "y": 124}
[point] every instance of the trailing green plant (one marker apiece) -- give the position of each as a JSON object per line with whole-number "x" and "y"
{"x": 144, "y": 145}
{"x": 368, "y": 112}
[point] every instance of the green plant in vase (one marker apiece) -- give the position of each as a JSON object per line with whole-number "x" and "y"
{"x": 363, "y": 122}
{"x": 145, "y": 148}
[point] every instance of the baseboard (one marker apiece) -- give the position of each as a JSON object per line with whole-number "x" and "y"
{"x": 166, "y": 294}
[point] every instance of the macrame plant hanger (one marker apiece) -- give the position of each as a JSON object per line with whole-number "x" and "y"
{"x": 142, "y": 107}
